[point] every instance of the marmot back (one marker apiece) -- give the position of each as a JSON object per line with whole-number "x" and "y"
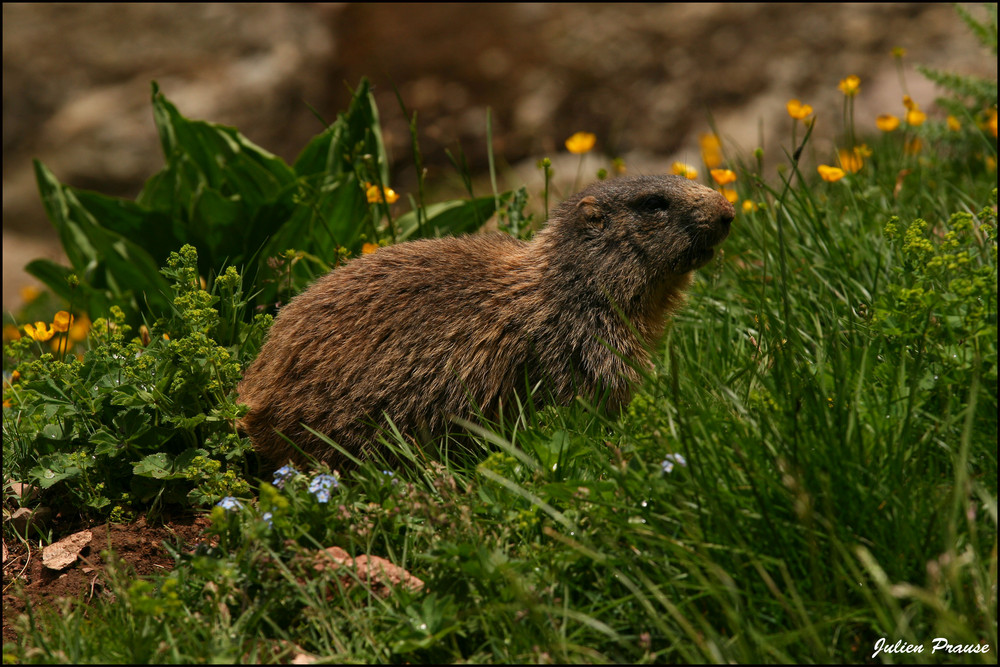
{"x": 423, "y": 331}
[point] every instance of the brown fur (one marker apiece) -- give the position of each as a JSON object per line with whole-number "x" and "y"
{"x": 423, "y": 331}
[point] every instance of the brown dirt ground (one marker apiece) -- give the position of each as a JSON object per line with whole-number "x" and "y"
{"x": 139, "y": 544}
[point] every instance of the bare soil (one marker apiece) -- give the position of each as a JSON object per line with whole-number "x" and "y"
{"x": 139, "y": 545}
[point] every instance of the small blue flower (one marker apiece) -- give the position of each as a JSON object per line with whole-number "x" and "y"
{"x": 268, "y": 517}
{"x": 391, "y": 475}
{"x": 320, "y": 487}
{"x": 283, "y": 474}
{"x": 670, "y": 460}
{"x": 229, "y": 503}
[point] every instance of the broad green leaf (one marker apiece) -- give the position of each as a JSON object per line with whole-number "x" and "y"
{"x": 325, "y": 219}
{"x": 132, "y": 423}
{"x": 75, "y": 241}
{"x": 46, "y": 477}
{"x": 150, "y": 230}
{"x": 106, "y": 444}
{"x": 155, "y": 465}
{"x": 163, "y": 466}
{"x": 355, "y": 133}
{"x": 55, "y": 278}
{"x": 322, "y": 156}
{"x": 224, "y": 158}
{"x": 450, "y": 218}
{"x": 103, "y": 259}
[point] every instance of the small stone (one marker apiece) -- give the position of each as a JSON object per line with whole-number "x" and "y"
{"x": 60, "y": 555}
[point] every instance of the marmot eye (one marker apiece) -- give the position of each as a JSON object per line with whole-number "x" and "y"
{"x": 653, "y": 204}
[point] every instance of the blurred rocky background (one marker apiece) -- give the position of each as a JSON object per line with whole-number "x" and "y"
{"x": 646, "y": 79}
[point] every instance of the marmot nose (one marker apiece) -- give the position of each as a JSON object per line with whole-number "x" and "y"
{"x": 721, "y": 216}
{"x": 726, "y": 211}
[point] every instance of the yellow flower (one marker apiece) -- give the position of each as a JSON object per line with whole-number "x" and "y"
{"x": 711, "y": 150}
{"x": 685, "y": 170}
{"x": 80, "y": 328}
{"x": 953, "y": 124}
{"x": 581, "y": 142}
{"x": 887, "y": 122}
{"x": 369, "y": 248}
{"x": 29, "y": 293}
{"x": 62, "y": 321}
{"x": 991, "y": 163}
{"x": 729, "y": 194}
{"x": 863, "y": 151}
{"x": 374, "y": 195}
{"x": 850, "y": 160}
{"x": 850, "y": 85}
{"x": 15, "y": 376}
{"x": 618, "y": 164}
{"x": 913, "y": 146}
{"x": 915, "y": 117}
{"x": 749, "y": 206}
{"x": 898, "y": 52}
{"x": 830, "y": 174}
{"x": 909, "y": 103}
{"x": 991, "y": 122}
{"x": 39, "y": 331}
{"x": 797, "y": 110}
{"x": 723, "y": 176}
{"x": 10, "y": 332}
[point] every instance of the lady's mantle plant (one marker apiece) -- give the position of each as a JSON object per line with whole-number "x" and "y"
{"x": 138, "y": 419}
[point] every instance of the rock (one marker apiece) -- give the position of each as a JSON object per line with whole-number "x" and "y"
{"x": 23, "y": 519}
{"x": 60, "y": 555}
{"x": 376, "y": 572}
{"x": 77, "y": 95}
{"x": 643, "y": 79}
{"x": 24, "y": 492}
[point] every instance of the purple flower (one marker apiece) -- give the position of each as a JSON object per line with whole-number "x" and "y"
{"x": 670, "y": 460}
{"x": 320, "y": 487}
{"x": 229, "y": 503}
{"x": 283, "y": 474}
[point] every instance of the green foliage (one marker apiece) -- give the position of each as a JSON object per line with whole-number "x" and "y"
{"x": 809, "y": 467}
{"x": 971, "y": 99}
{"x": 139, "y": 420}
{"x": 985, "y": 31}
{"x": 941, "y": 296}
{"x": 240, "y": 206}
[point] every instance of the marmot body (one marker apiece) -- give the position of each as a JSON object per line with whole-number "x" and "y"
{"x": 426, "y": 330}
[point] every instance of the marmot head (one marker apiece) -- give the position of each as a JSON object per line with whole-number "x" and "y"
{"x": 653, "y": 226}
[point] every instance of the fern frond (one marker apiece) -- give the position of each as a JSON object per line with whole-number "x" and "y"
{"x": 982, "y": 91}
{"x": 986, "y": 32}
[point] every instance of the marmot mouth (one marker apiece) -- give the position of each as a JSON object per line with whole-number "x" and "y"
{"x": 694, "y": 258}
{"x": 702, "y": 253}
{"x": 701, "y": 256}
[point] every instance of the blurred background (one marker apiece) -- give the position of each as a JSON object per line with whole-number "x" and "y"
{"x": 646, "y": 79}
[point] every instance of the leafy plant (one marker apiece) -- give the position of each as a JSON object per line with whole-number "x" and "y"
{"x": 809, "y": 467}
{"x": 139, "y": 420}
{"x": 240, "y": 206}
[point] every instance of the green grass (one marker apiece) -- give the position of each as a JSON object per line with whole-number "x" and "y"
{"x": 832, "y": 389}
{"x": 840, "y": 487}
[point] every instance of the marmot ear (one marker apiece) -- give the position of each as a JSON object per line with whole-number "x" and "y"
{"x": 591, "y": 212}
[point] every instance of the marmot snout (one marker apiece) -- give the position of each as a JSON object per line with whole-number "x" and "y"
{"x": 423, "y": 331}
